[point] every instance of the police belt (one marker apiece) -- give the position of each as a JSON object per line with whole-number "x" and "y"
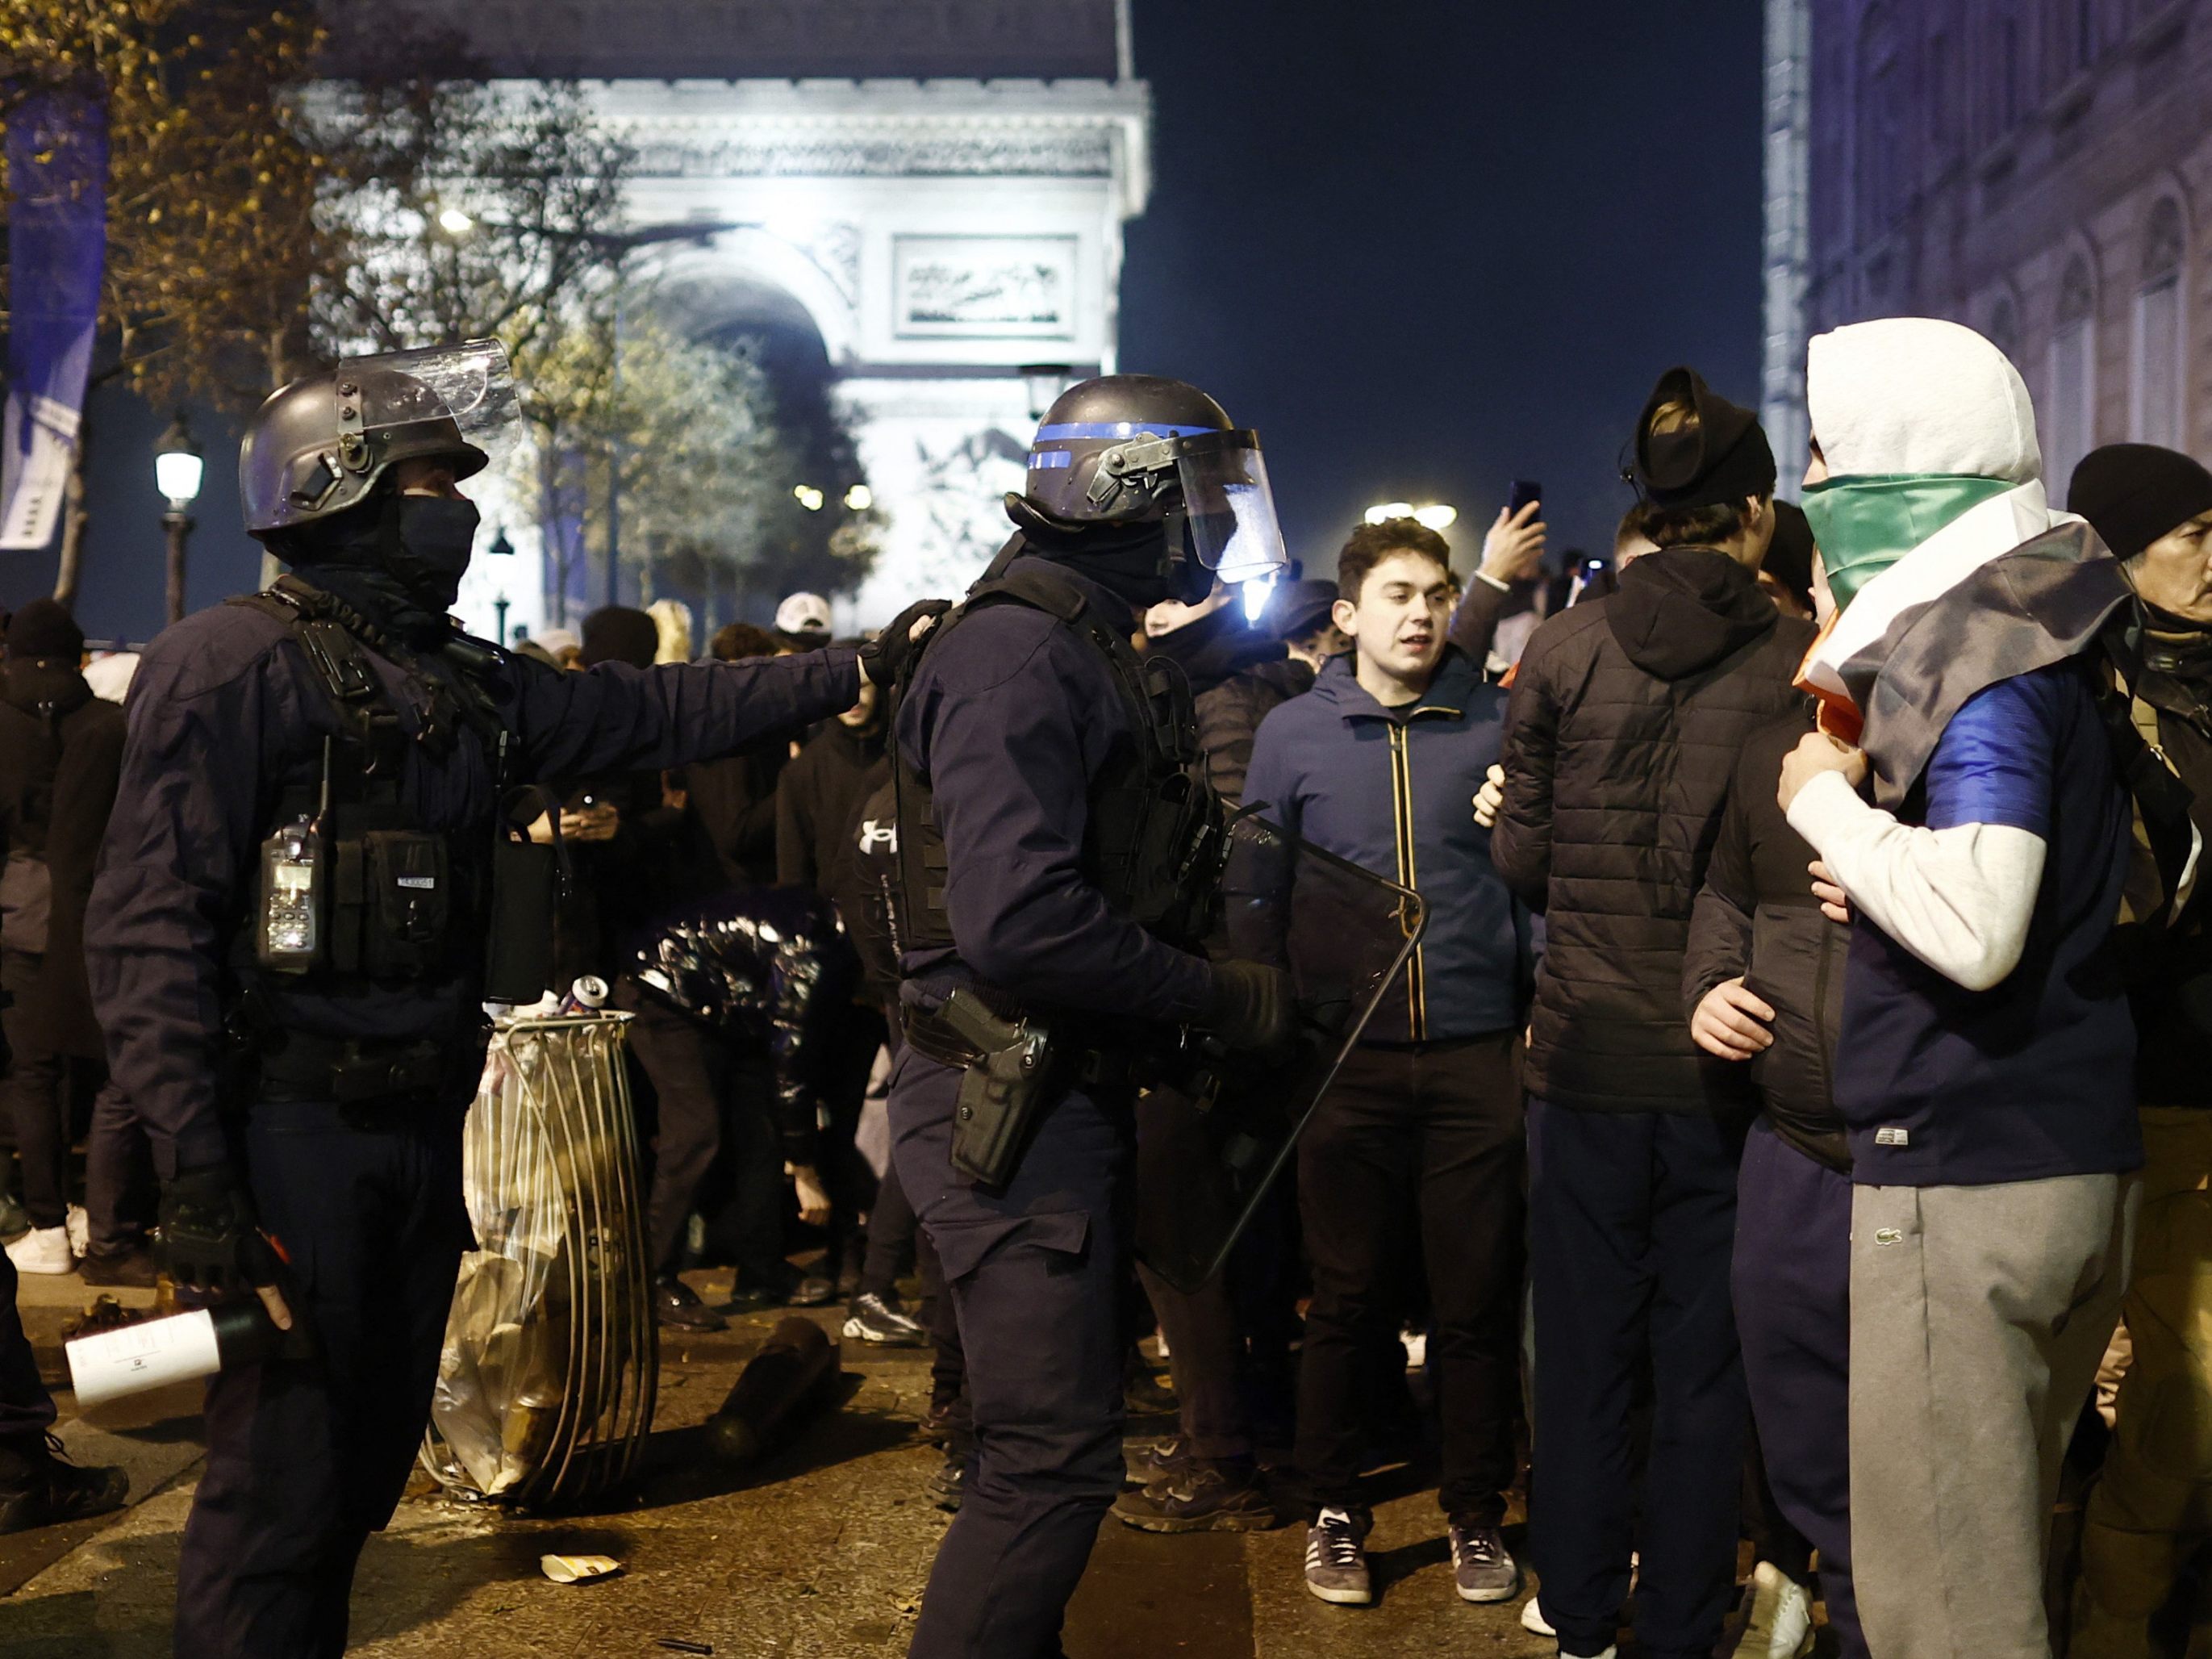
{"x": 1115, "y": 1067}
{"x": 351, "y": 1070}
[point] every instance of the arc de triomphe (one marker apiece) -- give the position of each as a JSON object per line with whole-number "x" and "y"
{"x": 940, "y": 184}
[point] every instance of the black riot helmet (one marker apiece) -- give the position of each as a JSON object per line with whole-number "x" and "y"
{"x": 322, "y": 445}
{"x": 1125, "y": 452}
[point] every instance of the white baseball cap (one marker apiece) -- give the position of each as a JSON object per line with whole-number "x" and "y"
{"x": 807, "y": 614}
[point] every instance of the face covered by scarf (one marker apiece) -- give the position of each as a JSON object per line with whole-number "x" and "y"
{"x": 1864, "y": 525}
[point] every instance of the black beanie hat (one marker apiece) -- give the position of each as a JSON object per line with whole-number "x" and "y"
{"x": 1718, "y": 461}
{"x": 2133, "y": 494}
{"x": 45, "y": 629}
{"x": 1789, "y": 556}
{"x": 617, "y": 633}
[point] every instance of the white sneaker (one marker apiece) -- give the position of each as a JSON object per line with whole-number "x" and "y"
{"x": 78, "y": 1224}
{"x": 43, "y": 1250}
{"x": 1533, "y": 1619}
{"x": 1781, "y": 1625}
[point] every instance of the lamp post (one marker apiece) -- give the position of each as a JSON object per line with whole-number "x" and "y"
{"x": 1044, "y": 382}
{"x": 178, "y": 464}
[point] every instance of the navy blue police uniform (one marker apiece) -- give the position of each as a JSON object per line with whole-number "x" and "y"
{"x": 308, "y": 1454}
{"x": 1011, "y": 721}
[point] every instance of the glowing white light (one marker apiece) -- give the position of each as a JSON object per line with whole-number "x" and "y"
{"x": 177, "y": 473}
{"x": 808, "y": 498}
{"x": 454, "y": 222}
{"x": 1382, "y": 511}
{"x": 860, "y": 498}
{"x": 1255, "y": 594}
{"x": 1436, "y": 516}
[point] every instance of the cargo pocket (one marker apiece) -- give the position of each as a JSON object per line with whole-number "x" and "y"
{"x": 964, "y": 1245}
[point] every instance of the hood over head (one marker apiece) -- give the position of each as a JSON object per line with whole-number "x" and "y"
{"x": 1681, "y": 609}
{"x": 1921, "y": 396}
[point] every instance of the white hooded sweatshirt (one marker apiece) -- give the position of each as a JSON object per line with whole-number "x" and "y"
{"x": 1918, "y": 396}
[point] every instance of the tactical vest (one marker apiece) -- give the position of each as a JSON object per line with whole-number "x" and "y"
{"x": 1153, "y": 840}
{"x": 399, "y": 902}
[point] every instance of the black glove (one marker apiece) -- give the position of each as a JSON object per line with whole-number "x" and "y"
{"x": 1253, "y": 1007}
{"x": 885, "y": 659}
{"x": 210, "y": 1242}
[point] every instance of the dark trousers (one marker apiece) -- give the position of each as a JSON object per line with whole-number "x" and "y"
{"x": 39, "y": 1088}
{"x": 711, "y": 1105}
{"x": 1034, "y": 1274}
{"x": 891, "y": 1236}
{"x": 26, "y": 1410}
{"x": 1631, "y": 1227}
{"x": 689, "y": 1070}
{"x": 1418, "y": 1145}
{"x": 1793, "y": 1310}
{"x": 855, "y": 1033}
{"x": 306, "y": 1457}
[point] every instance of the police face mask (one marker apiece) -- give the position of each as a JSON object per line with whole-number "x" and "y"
{"x": 434, "y": 536}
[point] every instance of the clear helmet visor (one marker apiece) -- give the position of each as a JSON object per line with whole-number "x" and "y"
{"x": 470, "y": 385}
{"x": 1231, "y": 510}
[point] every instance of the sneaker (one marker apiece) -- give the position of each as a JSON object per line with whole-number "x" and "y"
{"x": 872, "y": 1320}
{"x": 948, "y": 1485}
{"x": 134, "y": 1266}
{"x": 1781, "y": 1625}
{"x": 1482, "y": 1568}
{"x": 1203, "y": 1498}
{"x": 1336, "y": 1559}
{"x": 78, "y": 1225}
{"x": 1148, "y": 1461}
{"x": 43, "y": 1250}
{"x": 1533, "y": 1619}
{"x": 812, "y": 1291}
{"x": 39, "y": 1486}
{"x": 678, "y": 1306}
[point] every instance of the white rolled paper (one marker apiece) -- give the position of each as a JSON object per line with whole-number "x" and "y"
{"x": 145, "y": 1356}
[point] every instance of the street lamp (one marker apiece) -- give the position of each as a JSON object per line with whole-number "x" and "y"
{"x": 178, "y": 467}
{"x": 1434, "y": 516}
{"x": 1044, "y": 383}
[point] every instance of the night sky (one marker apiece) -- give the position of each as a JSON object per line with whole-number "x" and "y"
{"x": 1429, "y": 247}
{"x": 1426, "y": 246}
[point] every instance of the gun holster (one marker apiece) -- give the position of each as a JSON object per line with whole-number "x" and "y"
{"x": 1007, "y": 1064}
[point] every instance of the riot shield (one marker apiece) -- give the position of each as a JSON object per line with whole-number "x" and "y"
{"x": 1211, "y": 1144}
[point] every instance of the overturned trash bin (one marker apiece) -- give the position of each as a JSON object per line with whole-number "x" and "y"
{"x": 546, "y": 1383}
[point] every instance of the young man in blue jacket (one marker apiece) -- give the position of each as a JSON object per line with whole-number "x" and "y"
{"x": 1377, "y": 764}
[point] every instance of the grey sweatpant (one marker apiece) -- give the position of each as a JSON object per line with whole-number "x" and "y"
{"x": 1978, "y": 1316}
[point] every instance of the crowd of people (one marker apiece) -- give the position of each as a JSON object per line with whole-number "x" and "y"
{"x": 1789, "y": 1124}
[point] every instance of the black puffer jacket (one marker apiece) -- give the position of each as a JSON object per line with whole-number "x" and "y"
{"x": 1628, "y": 716}
{"x": 1756, "y": 920}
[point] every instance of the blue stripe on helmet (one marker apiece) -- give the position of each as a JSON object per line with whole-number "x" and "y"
{"x": 1068, "y": 429}
{"x": 1047, "y": 460}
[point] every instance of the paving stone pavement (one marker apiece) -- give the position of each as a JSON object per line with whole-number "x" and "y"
{"x": 823, "y": 1551}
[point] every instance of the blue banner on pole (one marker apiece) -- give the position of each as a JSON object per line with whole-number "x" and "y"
{"x": 56, "y": 238}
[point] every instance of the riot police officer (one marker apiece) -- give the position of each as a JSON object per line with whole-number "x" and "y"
{"x": 306, "y": 883}
{"x": 1050, "y": 833}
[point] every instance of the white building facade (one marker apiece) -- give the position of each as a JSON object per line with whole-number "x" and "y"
{"x": 2040, "y": 170}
